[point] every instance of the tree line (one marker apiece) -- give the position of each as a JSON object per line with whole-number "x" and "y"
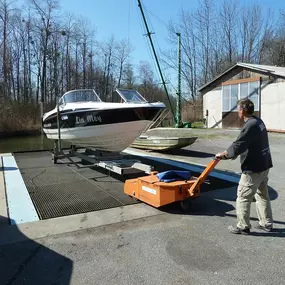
{"x": 219, "y": 34}
{"x": 44, "y": 52}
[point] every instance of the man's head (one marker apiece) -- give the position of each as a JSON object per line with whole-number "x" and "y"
{"x": 245, "y": 108}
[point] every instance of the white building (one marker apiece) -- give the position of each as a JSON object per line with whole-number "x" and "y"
{"x": 263, "y": 84}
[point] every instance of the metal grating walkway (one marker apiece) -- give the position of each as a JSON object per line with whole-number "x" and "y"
{"x": 62, "y": 189}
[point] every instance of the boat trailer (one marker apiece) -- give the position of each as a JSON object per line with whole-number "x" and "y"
{"x": 112, "y": 162}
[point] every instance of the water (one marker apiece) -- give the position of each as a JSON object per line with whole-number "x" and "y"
{"x": 25, "y": 143}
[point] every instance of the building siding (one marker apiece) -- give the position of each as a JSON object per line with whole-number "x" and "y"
{"x": 212, "y": 102}
{"x": 273, "y": 106}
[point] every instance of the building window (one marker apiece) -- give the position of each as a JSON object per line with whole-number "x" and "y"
{"x": 234, "y": 92}
{"x": 234, "y": 97}
{"x": 226, "y": 97}
{"x": 254, "y": 94}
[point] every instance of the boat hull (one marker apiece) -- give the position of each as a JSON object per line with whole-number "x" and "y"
{"x": 110, "y": 137}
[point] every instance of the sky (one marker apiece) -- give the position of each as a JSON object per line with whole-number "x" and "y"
{"x": 123, "y": 20}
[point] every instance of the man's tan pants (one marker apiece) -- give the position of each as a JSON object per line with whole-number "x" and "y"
{"x": 253, "y": 185}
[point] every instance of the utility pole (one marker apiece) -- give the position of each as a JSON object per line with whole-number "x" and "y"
{"x": 178, "y": 102}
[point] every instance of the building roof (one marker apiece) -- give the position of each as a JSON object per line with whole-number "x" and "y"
{"x": 270, "y": 70}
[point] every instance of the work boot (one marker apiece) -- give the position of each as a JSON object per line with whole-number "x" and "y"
{"x": 236, "y": 230}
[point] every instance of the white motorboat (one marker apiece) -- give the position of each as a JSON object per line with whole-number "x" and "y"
{"x": 86, "y": 121}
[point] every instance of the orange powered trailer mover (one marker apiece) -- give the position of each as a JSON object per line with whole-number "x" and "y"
{"x": 156, "y": 193}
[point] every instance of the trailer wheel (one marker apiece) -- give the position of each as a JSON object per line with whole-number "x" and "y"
{"x": 134, "y": 197}
{"x": 185, "y": 205}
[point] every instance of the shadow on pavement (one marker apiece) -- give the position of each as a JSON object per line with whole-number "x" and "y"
{"x": 189, "y": 153}
{"x": 213, "y": 203}
{"x": 203, "y": 205}
{"x": 24, "y": 261}
{"x": 230, "y": 194}
{"x": 276, "y": 232}
{"x": 9, "y": 168}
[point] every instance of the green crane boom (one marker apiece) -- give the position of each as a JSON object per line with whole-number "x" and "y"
{"x": 178, "y": 105}
{"x": 156, "y": 59}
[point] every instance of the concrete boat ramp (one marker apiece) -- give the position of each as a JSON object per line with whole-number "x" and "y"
{"x": 36, "y": 189}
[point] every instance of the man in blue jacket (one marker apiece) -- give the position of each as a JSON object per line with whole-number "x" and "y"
{"x": 253, "y": 147}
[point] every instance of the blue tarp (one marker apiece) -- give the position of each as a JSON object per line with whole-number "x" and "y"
{"x": 173, "y": 175}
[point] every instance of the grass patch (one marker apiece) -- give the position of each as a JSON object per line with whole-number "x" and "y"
{"x": 198, "y": 125}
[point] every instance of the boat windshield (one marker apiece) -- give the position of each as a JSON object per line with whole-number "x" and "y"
{"x": 131, "y": 96}
{"x": 84, "y": 95}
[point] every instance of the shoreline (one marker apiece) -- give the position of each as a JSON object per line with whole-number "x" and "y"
{"x": 5, "y": 134}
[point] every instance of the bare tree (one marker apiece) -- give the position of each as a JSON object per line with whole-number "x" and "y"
{"x": 228, "y": 21}
{"x": 189, "y": 50}
{"x": 256, "y": 32}
{"x": 276, "y": 45}
{"x": 16, "y": 51}
{"x": 5, "y": 10}
{"x": 45, "y": 11}
{"x": 255, "y": 26}
{"x": 146, "y": 79}
{"x": 204, "y": 17}
{"x": 266, "y": 38}
{"x": 107, "y": 49}
{"x": 68, "y": 27}
{"x": 122, "y": 54}
{"x": 85, "y": 35}
{"x": 128, "y": 76}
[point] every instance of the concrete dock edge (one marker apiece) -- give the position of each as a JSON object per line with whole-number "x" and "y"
{"x": 4, "y": 219}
